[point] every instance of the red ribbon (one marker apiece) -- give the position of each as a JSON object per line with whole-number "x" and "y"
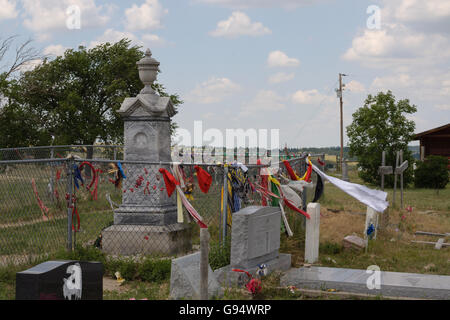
{"x": 320, "y": 162}
{"x": 293, "y": 207}
{"x": 146, "y": 188}
{"x": 97, "y": 175}
{"x": 74, "y": 211}
{"x": 169, "y": 180}
{"x": 94, "y": 172}
{"x": 290, "y": 171}
{"x": 308, "y": 173}
{"x": 43, "y": 208}
{"x": 254, "y": 285}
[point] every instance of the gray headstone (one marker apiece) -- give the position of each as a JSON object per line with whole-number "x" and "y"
{"x": 255, "y": 236}
{"x": 185, "y": 279}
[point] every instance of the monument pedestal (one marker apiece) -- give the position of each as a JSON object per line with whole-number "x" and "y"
{"x": 145, "y": 239}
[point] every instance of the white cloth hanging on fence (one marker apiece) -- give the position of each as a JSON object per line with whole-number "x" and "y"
{"x": 375, "y": 199}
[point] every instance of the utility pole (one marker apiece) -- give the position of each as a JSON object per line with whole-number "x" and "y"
{"x": 339, "y": 94}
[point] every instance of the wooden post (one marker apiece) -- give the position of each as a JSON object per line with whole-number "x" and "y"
{"x": 383, "y": 163}
{"x": 397, "y": 158}
{"x": 312, "y": 233}
{"x": 204, "y": 251}
{"x": 225, "y": 204}
{"x": 401, "y": 181}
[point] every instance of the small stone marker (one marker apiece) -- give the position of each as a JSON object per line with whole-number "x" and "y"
{"x": 312, "y": 233}
{"x": 439, "y": 243}
{"x": 185, "y": 279}
{"x": 61, "y": 280}
{"x": 354, "y": 242}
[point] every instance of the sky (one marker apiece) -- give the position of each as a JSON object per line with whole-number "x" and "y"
{"x": 265, "y": 64}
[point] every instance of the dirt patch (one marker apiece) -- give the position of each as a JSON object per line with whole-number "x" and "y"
{"x": 110, "y": 284}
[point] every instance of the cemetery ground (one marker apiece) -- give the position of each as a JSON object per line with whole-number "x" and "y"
{"x": 341, "y": 215}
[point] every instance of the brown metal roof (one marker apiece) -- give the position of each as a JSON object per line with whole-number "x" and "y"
{"x": 417, "y": 136}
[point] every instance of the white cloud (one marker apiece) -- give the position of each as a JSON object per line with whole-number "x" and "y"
{"x": 397, "y": 45}
{"x": 281, "y": 77}
{"x": 30, "y": 65}
{"x": 280, "y": 59}
{"x": 45, "y": 15}
{"x": 55, "y": 50}
{"x": 259, "y": 3}
{"x": 147, "y": 16}
{"x": 430, "y": 15}
{"x": 390, "y": 82}
{"x": 443, "y": 107}
{"x": 213, "y": 91}
{"x": 8, "y": 9}
{"x": 113, "y": 36}
{"x": 309, "y": 97}
{"x": 264, "y": 101}
{"x": 355, "y": 86}
{"x": 239, "y": 24}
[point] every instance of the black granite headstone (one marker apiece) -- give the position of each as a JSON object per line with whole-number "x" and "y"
{"x": 61, "y": 280}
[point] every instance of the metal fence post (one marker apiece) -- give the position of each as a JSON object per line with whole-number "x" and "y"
{"x": 204, "y": 249}
{"x": 225, "y": 203}
{"x": 69, "y": 203}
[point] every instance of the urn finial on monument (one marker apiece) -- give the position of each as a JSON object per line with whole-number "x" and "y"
{"x": 148, "y": 71}
{"x": 147, "y": 102}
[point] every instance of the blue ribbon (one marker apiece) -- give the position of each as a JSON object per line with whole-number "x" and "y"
{"x": 121, "y": 170}
{"x": 77, "y": 176}
{"x": 370, "y": 229}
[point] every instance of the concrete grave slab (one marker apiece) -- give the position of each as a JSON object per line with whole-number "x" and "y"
{"x": 392, "y": 284}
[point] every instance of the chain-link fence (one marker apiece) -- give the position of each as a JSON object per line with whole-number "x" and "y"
{"x": 51, "y": 204}
{"x": 50, "y": 152}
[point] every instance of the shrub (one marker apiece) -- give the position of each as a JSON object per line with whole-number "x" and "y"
{"x": 432, "y": 173}
{"x": 126, "y": 266}
{"x": 82, "y": 254}
{"x": 155, "y": 270}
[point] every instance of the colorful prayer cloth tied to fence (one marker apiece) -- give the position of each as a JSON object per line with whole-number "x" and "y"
{"x": 173, "y": 184}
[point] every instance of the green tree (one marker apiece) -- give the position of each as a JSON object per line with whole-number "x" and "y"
{"x": 432, "y": 173}
{"x": 75, "y": 96}
{"x": 381, "y": 125}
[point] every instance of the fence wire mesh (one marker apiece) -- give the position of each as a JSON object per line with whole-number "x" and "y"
{"x": 50, "y": 152}
{"x": 33, "y": 210}
{"x": 48, "y": 205}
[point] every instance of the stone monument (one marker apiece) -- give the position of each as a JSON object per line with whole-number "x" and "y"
{"x": 255, "y": 240}
{"x": 147, "y": 139}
